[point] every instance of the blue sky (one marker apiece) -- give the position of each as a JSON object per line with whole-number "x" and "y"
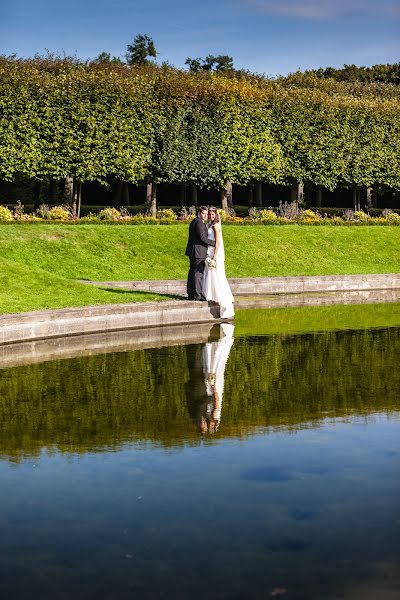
{"x": 265, "y": 36}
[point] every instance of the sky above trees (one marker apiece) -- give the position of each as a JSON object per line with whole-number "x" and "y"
{"x": 264, "y": 36}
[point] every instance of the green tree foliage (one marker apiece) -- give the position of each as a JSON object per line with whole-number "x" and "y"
{"x": 103, "y": 120}
{"x": 221, "y": 63}
{"x": 384, "y": 73}
{"x": 138, "y": 52}
{"x": 105, "y": 57}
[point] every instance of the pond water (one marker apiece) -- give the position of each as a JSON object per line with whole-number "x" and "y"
{"x": 263, "y": 463}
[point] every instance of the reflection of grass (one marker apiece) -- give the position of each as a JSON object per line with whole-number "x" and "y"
{"x": 316, "y": 318}
{"x": 41, "y": 260}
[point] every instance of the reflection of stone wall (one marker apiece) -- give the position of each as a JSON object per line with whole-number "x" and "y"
{"x": 25, "y": 353}
{"x": 81, "y": 404}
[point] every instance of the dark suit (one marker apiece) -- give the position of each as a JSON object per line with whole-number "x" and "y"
{"x": 196, "y": 250}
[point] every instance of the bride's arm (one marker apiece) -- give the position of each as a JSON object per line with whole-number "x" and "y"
{"x": 217, "y": 233}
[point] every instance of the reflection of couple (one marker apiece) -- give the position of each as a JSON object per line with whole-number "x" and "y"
{"x": 205, "y": 249}
{"x": 214, "y": 359}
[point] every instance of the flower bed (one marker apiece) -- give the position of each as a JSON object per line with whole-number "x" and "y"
{"x": 285, "y": 214}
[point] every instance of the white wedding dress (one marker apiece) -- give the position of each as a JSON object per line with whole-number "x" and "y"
{"x": 215, "y": 356}
{"x": 215, "y": 283}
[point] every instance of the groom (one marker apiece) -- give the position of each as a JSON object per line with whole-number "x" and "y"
{"x": 196, "y": 250}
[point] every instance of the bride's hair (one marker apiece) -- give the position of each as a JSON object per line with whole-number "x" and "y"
{"x": 217, "y": 217}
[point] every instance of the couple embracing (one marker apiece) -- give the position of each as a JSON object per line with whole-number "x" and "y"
{"x": 205, "y": 249}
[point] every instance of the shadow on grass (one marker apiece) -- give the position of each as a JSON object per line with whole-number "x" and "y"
{"x": 143, "y": 294}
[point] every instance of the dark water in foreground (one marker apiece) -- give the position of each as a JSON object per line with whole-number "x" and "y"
{"x": 256, "y": 466}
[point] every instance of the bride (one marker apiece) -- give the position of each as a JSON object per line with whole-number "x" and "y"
{"x": 214, "y": 357}
{"x": 215, "y": 283}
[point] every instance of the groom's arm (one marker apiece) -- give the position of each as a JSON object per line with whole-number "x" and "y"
{"x": 202, "y": 235}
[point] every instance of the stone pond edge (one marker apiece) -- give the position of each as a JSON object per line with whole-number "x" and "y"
{"x": 44, "y": 324}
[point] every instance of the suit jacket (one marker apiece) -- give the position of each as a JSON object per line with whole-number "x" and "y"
{"x": 198, "y": 241}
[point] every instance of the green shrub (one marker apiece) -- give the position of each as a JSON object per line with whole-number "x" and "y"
{"x": 393, "y": 218}
{"x": 59, "y": 213}
{"x": 267, "y": 216}
{"x": 166, "y": 214}
{"x": 6, "y": 214}
{"x": 309, "y": 215}
{"x": 334, "y": 221}
{"x": 90, "y": 218}
{"x": 141, "y": 219}
{"x": 254, "y": 214}
{"x": 43, "y": 211}
{"x": 109, "y": 214}
{"x": 360, "y": 215}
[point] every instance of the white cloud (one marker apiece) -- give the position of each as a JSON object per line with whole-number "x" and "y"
{"x": 326, "y": 9}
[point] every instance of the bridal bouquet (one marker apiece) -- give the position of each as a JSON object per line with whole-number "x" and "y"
{"x": 211, "y": 262}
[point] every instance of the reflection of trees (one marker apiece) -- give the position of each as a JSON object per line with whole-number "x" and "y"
{"x": 88, "y": 403}
{"x": 299, "y": 378}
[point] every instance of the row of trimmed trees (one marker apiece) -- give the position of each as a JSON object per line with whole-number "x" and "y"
{"x": 101, "y": 122}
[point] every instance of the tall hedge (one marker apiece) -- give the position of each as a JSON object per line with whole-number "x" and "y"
{"x": 62, "y": 118}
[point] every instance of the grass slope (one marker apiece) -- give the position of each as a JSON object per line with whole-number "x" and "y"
{"x": 25, "y": 288}
{"x": 39, "y": 263}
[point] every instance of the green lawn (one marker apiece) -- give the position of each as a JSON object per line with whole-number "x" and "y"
{"x": 40, "y": 263}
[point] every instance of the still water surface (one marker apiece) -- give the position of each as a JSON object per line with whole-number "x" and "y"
{"x": 253, "y": 466}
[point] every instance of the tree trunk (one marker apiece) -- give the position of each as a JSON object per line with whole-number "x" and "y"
{"x": 151, "y": 199}
{"x": 226, "y": 197}
{"x": 250, "y": 195}
{"x": 356, "y": 199}
{"x": 297, "y": 193}
{"x": 52, "y": 191}
{"x": 121, "y": 195}
{"x": 193, "y": 194}
{"x": 229, "y": 192}
{"x": 307, "y": 199}
{"x": 366, "y": 200}
{"x": 374, "y": 199}
{"x": 117, "y": 195}
{"x": 259, "y": 194}
{"x": 224, "y": 200}
{"x": 68, "y": 190}
{"x": 79, "y": 200}
{"x": 125, "y": 194}
{"x": 76, "y": 199}
{"x": 36, "y": 194}
{"x": 182, "y": 195}
{"x": 318, "y": 197}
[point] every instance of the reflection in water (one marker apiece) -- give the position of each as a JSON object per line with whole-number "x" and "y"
{"x": 158, "y": 395}
{"x": 215, "y": 356}
{"x": 115, "y": 483}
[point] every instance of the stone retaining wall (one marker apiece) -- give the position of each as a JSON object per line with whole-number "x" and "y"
{"x": 269, "y": 285}
{"x": 95, "y": 319}
{"x": 118, "y": 317}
